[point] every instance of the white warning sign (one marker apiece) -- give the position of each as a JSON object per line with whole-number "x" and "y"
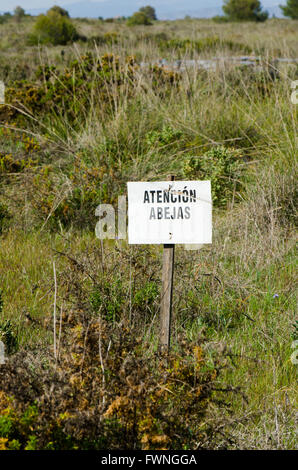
{"x": 169, "y": 212}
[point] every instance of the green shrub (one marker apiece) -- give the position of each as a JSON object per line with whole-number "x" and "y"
{"x": 8, "y": 335}
{"x": 107, "y": 300}
{"x": 16, "y": 426}
{"x": 220, "y": 165}
{"x": 53, "y": 28}
{"x": 139, "y": 18}
{"x": 145, "y": 297}
{"x": 5, "y": 17}
{"x": 164, "y": 137}
{"x": 220, "y": 19}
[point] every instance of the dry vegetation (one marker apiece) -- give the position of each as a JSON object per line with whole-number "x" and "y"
{"x": 81, "y": 120}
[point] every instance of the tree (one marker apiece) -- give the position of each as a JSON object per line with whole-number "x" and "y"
{"x": 59, "y": 10}
{"x": 19, "y": 13}
{"x": 150, "y": 12}
{"x": 290, "y": 9}
{"x": 139, "y": 18}
{"x": 5, "y": 17}
{"x": 244, "y": 10}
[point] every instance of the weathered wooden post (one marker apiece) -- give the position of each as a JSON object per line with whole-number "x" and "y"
{"x": 166, "y": 293}
{"x": 169, "y": 213}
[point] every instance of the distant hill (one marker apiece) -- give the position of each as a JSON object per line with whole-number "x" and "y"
{"x": 166, "y": 9}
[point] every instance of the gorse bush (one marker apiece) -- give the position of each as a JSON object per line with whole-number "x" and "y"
{"x": 163, "y": 138}
{"x": 53, "y": 28}
{"x": 130, "y": 400}
{"x": 23, "y": 157}
{"x": 70, "y": 198}
{"x": 223, "y": 166}
{"x": 68, "y": 92}
{"x": 108, "y": 38}
{"x": 16, "y": 424}
{"x": 108, "y": 388}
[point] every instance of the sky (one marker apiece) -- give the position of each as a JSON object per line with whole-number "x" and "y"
{"x": 164, "y": 8}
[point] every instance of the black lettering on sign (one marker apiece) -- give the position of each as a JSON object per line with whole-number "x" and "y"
{"x": 167, "y": 196}
{"x": 193, "y": 196}
{"x": 169, "y": 213}
{"x": 171, "y": 197}
{"x": 152, "y": 214}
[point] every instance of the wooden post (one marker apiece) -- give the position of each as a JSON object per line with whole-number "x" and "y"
{"x": 166, "y": 293}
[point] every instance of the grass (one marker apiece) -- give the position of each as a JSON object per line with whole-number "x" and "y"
{"x": 240, "y": 293}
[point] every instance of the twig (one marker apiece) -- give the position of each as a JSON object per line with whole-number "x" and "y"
{"x": 55, "y": 300}
{"x": 60, "y": 330}
{"x": 76, "y": 263}
{"x": 84, "y": 350}
{"x": 101, "y": 363}
{"x": 247, "y": 316}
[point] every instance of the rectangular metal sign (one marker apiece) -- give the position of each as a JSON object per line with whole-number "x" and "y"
{"x": 169, "y": 212}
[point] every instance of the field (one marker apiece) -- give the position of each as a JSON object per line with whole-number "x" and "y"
{"x": 80, "y": 316}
